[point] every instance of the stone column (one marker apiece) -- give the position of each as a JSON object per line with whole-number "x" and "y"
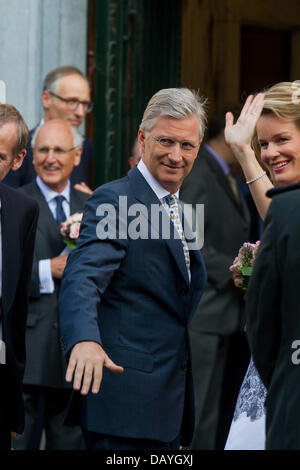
{"x": 37, "y": 36}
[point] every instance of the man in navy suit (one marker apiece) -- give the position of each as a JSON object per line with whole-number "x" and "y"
{"x": 130, "y": 289}
{"x": 66, "y": 95}
{"x": 18, "y": 221}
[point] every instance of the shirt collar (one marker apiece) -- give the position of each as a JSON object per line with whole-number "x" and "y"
{"x": 159, "y": 190}
{"x": 49, "y": 194}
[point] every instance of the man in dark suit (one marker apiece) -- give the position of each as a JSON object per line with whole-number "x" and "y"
{"x": 130, "y": 289}
{"x": 66, "y": 95}
{"x": 273, "y": 320}
{"x": 56, "y": 149}
{"x": 18, "y": 222}
{"x": 219, "y": 346}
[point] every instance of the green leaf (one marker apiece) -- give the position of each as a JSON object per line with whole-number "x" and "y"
{"x": 70, "y": 244}
{"x": 247, "y": 270}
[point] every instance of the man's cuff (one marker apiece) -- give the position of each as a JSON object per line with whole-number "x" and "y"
{"x": 45, "y": 277}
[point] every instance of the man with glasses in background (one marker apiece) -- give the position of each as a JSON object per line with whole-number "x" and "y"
{"x": 56, "y": 150}
{"x": 66, "y": 95}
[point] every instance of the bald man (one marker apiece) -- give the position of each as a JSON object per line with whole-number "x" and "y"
{"x": 56, "y": 151}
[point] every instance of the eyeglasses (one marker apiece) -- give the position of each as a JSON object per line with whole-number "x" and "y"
{"x": 167, "y": 143}
{"x": 57, "y": 151}
{"x": 73, "y": 103}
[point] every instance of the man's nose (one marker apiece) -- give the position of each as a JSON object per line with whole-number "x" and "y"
{"x": 80, "y": 110}
{"x": 51, "y": 156}
{"x": 175, "y": 152}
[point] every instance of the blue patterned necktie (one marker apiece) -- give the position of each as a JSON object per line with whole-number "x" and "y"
{"x": 175, "y": 217}
{"x": 60, "y": 213}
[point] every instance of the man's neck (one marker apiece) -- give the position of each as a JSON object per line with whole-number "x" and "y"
{"x": 219, "y": 146}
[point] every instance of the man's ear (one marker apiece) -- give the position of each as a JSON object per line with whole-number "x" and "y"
{"x": 18, "y": 160}
{"x": 46, "y": 98}
{"x": 142, "y": 140}
{"x": 78, "y": 153}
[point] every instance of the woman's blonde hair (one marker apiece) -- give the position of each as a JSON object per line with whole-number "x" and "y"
{"x": 283, "y": 100}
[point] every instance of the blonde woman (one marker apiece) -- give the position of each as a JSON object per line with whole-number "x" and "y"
{"x": 266, "y": 142}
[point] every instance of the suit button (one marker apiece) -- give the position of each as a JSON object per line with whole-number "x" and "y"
{"x": 184, "y": 290}
{"x": 184, "y": 367}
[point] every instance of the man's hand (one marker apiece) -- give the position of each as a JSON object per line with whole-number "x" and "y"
{"x": 83, "y": 188}
{"x": 58, "y": 265}
{"x": 86, "y": 364}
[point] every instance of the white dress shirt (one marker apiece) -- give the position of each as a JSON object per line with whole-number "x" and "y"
{"x": 45, "y": 276}
{"x": 160, "y": 192}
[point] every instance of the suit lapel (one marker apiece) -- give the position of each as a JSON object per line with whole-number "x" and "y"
{"x": 76, "y": 202}
{"x": 143, "y": 193}
{"x": 47, "y": 225}
{"x": 11, "y": 250}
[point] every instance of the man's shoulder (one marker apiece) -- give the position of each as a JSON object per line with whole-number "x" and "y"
{"x": 116, "y": 187}
{"x": 88, "y": 146}
{"x": 80, "y": 196}
{"x": 21, "y": 199}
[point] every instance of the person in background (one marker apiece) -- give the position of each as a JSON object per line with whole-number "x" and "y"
{"x": 19, "y": 214}
{"x": 136, "y": 154}
{"x": 66, "y": 95}
{"x": 56, "y": 150}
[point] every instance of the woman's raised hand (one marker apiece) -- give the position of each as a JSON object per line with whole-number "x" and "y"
{"x": 240, "y": 134}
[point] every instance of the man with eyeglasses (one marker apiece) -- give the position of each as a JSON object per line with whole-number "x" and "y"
{"x": 56, "y": 150}
{"x": 66, "y": 95}
{"x": 127, "y": 299}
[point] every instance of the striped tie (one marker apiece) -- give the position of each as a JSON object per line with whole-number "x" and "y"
{"x": 175, "y": 217}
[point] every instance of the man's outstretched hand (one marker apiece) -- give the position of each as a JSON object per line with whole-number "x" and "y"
{"x": 86, "y": 364}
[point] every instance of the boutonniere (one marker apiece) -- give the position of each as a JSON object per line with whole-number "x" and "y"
{"x": 69, "y": 229}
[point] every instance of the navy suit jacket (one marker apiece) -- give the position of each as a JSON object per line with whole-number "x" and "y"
{"x": 133, "y": 297}
{"x": 26, "y": 174}
{"x": 19, "y": 215}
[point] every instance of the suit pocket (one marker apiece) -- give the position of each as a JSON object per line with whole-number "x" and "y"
{"x": 129, "y": 358}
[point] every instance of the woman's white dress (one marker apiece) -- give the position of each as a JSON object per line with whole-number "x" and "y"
{"x": 247, "y": 431}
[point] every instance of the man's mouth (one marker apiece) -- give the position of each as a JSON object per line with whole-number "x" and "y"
{"x": 75, "y": 122}
{"x": 172, "y": 167}
{"x": 51, "y": 169}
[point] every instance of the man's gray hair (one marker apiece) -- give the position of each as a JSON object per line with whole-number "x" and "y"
{"x": 51, "y": 80}
{"x": 177, "y": 103}
{"x": 77, "y": 137}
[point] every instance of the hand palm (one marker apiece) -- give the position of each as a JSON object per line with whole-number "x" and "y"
{"x": 242, "y": 131}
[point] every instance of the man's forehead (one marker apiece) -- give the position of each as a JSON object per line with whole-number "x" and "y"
{"x": 73, "y": 85}
{"x": 9, "y": 131}
{"x": 187, "y": 125}
{"x": 59, "y": 131}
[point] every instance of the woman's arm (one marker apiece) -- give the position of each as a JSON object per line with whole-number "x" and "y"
{"x": 239, "y": 136}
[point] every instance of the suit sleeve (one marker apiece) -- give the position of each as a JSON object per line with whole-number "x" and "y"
{"x": 22, "y": 297}
{"x": 263, "y": 303}
{"x": 89, "y": 270}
